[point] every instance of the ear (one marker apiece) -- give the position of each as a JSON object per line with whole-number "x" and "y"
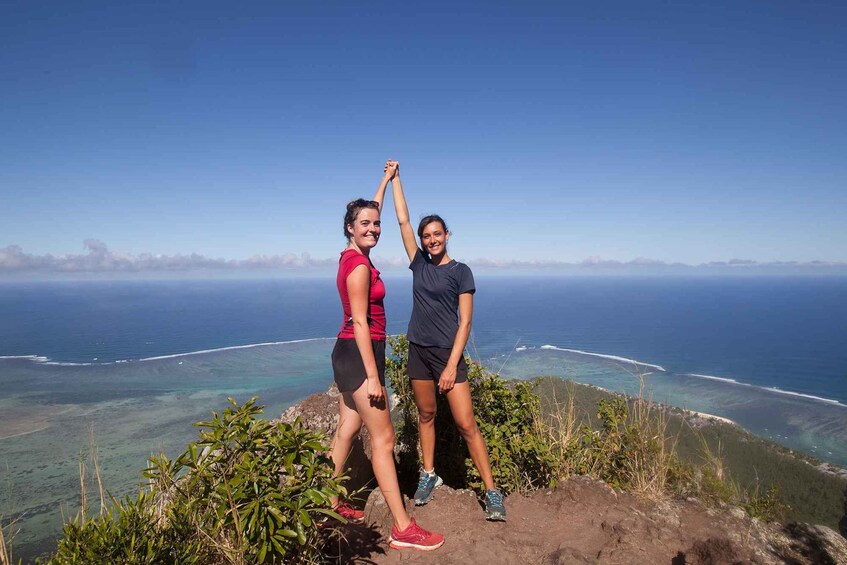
{"x": 447, "y": 235}
{"x": 350, "y": 229}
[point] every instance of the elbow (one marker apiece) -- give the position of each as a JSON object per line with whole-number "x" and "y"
{"x": 465, "y": 325}
{"x": 361, "y": 324}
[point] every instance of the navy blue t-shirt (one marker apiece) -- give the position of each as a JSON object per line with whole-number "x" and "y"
{"x": 435, "y": 293}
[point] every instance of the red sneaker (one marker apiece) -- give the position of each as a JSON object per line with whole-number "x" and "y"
{"x": 414, "y": 537}
{"x": 349, "y": 513}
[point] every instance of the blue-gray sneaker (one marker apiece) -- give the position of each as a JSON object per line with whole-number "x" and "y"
{"x": 494, "y": 509}
{"x": 426, "y": 484}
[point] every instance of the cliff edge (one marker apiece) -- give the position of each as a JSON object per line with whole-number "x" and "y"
{"x": 582, "y": 520}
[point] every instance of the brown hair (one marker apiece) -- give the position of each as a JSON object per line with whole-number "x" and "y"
{"x": 353, "y": 209}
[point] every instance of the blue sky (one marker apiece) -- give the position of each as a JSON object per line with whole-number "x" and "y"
{"x": 673, "y": 131}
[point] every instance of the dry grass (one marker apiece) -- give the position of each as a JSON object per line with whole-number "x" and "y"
{"x": 98, "y": 478}
{"x": 95, "y": 463}
{"x": 634, "y": 449}
{"x": 6, "y": 545}
{"x": 655, "y": 454}
{"x": 560, "y": 429}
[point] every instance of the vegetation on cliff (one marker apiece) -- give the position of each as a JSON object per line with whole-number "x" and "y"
{"x": 247, "y": 491}
{"x": 731, "y": 465}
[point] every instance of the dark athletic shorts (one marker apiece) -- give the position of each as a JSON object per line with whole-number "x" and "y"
{"x": 426, "y": 363}
{"x": 347, "y": 365}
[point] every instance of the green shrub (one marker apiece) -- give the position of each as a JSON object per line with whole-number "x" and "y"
{"x": 767, "y": 507}
{"x": 505, "y": 414}
{"x": 130, "y": 534}
{"x": 247, "y": 492}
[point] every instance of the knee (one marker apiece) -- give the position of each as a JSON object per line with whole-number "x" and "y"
{"x": 348, "y": 432}
{"x": 467, "y": 428}
{"x": 426, "y": 416}
{"x": 383, "y": 441}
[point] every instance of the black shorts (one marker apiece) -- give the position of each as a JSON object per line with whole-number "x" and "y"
{"x": 348, "y": 367}
{"x": 426, "y": 363}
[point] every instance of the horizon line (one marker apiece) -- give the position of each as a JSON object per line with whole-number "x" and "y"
{"x": 99, "y": 259}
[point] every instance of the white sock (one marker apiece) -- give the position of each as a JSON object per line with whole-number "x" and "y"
{"x": 432, "y": 472}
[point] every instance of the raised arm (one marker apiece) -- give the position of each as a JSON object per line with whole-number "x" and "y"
{"x": 358, "y": 287}
{"x": 379, "y": 195}
{"x": 409, "y": 241}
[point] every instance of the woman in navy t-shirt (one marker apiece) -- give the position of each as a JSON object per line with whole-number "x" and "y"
{"x": 441, "y": 288}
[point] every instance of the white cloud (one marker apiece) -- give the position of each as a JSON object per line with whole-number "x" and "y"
{"x": 98, "y": 258}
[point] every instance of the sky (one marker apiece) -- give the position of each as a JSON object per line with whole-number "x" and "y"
{"x": 140, "y": 135}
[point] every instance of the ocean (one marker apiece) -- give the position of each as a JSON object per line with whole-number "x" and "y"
{"x": 130, "y": 366}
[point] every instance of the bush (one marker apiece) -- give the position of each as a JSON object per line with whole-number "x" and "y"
{"x": 505, "y": 414}
{"x": 633, "y": 444}
{"x": 247, "y": 492}
{"x": 768, "y": 507}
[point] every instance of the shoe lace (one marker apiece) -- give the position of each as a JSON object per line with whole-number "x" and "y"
{"x": 414, "y": 531}
{"x": 423, "y": 480}
{"x": 495, "y": 497}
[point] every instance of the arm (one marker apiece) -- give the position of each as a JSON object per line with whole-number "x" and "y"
{"x": 409, "y": 241}
{"x": 448, "y": 376}
{"x": 379, "y": 195}
{"x": 358, "y": 286}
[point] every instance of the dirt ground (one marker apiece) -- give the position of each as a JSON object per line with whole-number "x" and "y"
{"x": 582, "y": 521}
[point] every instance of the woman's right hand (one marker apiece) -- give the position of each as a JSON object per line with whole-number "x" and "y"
{"x": 375, "y": 393}
{"x": 391, "y": 168}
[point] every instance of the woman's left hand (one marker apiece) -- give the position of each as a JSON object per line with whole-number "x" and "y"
{"x": 447, "y": 379}
{"x": 391, "y": 168}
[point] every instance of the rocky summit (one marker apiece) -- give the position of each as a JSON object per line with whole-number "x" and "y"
{"x": 582, "y": 520}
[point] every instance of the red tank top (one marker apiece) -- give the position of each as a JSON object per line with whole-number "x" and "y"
{"x": 350, "y": 259}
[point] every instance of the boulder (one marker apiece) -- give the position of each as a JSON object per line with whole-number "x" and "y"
{"x": 818, "y": 543}
{"x": 320, "y": 412}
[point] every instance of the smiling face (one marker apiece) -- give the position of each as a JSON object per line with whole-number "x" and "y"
{"x": 365, "y": 229}
{"x": 434, "y": 238}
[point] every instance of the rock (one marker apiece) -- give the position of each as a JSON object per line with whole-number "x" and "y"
{"x": 712, "y": 551}
{"x": 377, "y": 513}
{"x": 320, "y": 412}
{"x": 842, "y": 524}
{"x": 567, "y": 556}
{"x": 818, "y": 543}
{"x": 737, "y": 512}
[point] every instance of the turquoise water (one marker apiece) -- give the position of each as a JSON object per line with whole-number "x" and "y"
{"x": 134, "y": 365}
{"x": 131, "y": 410}
{"x": 138, "y": 408}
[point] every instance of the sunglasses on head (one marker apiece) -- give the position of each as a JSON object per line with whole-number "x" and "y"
{"x": 362, "y": 203}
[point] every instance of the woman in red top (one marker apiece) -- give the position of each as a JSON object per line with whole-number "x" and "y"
{"x": 358, "y": 362}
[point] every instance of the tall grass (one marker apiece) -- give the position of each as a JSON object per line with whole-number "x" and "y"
{"x": 632, "y": 444}
{"x": 6, "y": 543}
{"x": 632, "y": 449}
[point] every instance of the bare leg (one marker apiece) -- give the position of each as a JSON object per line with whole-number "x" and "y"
{"x": 349, "y": 424}
{"x": 425, "y": 400}
{"x": 461, "y": 406}
{"x": 378, "y": 422}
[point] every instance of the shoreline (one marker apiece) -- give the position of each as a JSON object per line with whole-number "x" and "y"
{"x": 19, "y": 434}
{"x": 707, "y": 416}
